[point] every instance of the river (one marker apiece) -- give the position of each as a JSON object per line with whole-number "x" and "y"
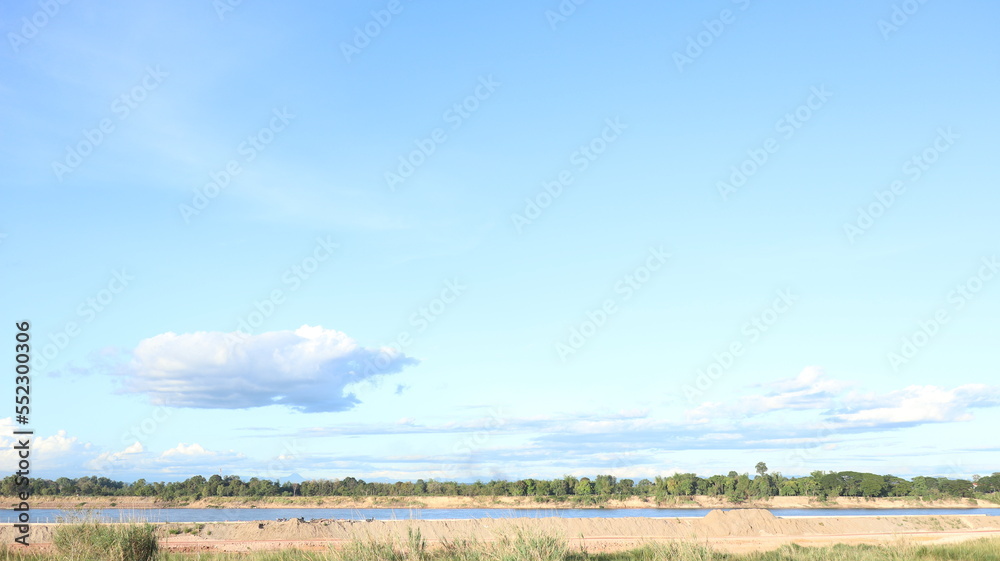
{"x": 8, "y": 516}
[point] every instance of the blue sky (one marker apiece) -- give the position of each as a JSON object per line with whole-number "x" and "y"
{"x": 400, "y": 239}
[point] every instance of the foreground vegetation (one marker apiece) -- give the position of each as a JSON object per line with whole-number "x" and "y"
{"x": 97, "y": 541}
{"x": 136, "y": 542}
{"x": 733, "y": 486}
{"x": 110, "y": 542}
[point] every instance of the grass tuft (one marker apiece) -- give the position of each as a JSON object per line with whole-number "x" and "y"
{"x": 97, "y": 541}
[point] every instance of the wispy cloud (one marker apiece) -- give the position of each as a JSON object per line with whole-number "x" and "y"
{"x": 810, "y": 390}
{"x": 916, "y": 405}
{"x": 805, "y": 411}
{"x": 827, "y": 413}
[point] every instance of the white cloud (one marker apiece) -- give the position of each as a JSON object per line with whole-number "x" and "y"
{"x": 918, "y": 405}
{"x": 194, "y": 458}
{"x": 106, "y": 461}
{"x": 195, "y": 453}
{"x": 307, "y": 369}
{"x": 136, "y": 461}
{"x": 188, "y": 450}
{"x": 811, "y": 387}
{"x": 46, "y": 451}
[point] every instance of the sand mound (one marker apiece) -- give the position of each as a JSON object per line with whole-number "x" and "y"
{"x": 744, "y": 522}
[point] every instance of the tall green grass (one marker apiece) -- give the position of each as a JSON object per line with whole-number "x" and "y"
{"x": 979, "y": 550}
{"x": 92, "y": 541}
{"x": 520, "y": 545}
{"x": 385, "y": 549}
{"x": 95, "y": 541}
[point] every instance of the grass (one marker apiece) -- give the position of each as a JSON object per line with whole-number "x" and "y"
{"x": 522, "y": 545}
{"x": 979, "y": 550}
{"x": 192, "y": 529}
{"x": 97, "y": 541}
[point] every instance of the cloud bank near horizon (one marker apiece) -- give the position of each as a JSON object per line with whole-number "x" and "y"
{"x": 828, "y": 414}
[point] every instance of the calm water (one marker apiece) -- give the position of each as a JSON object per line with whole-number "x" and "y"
{"x": 246, "y": 514}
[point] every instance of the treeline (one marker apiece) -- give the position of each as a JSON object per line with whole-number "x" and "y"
{"x": 735, "y": 487}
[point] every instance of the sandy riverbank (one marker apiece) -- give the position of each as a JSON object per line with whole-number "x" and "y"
{"x": 736, "y": 531}
{"x": 478, "y": 502}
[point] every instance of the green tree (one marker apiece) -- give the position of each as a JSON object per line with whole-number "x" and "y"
{"x": 65, "y": 486}
{"x": 517, "y": 488}
{"x": 788, "y": 488}
{"x": 543, "y": 488}
{"x": 741, "y": 490}
{"x": 925, "y": 487}
{"x": 956, "y": 487}
{"x": 989, "y": 484}
{"x": 644, "y": 488}
{"x": 625, "y": 488}
{"x": 560, "y": 487}
{"x": 684, "y": 483}
{"x": 763, "y": 487}
{"x": 570, "y": 483}
{"x": 604, "y": 484}
{"x": 195, "y": 485}
{"x": 872, "y": 485}
{"x": 718, "y": 485}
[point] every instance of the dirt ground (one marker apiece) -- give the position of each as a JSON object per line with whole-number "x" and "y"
{"x": 736, "y": 531}
{"x": 479, "y": 502}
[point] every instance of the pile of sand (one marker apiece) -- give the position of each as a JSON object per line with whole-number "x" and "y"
{"x": 749, "y": 522}
{"x": 717, "y": 524}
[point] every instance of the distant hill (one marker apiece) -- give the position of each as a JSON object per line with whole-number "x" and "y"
{"x": 293, "y": 478}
